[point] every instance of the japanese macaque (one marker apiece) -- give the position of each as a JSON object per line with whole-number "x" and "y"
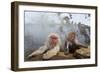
{"x": 71, "y": 43}
{"x": 50, "y": 48}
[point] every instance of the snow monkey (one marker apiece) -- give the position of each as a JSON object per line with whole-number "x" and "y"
{"x": 50, "y": 48}
{"x": 72, "y": 43}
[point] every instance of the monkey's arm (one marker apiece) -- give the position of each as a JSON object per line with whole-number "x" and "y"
{"x": 80, "y": 44}
{"x": 39, "y": 51}
{"x": 51, "y": 52}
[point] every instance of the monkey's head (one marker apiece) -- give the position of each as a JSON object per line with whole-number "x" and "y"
{"x": 71, "y": 36}
{"x": 53, "y": 40}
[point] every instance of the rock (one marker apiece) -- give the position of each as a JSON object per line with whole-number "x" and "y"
{"x": 82, "y": 53}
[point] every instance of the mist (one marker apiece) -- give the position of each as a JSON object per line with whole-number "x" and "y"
{"x": 38, "y": 25}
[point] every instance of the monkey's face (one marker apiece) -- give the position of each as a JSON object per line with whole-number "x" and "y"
{"x": 53, "y": 40}
{"x": 71, "y": 37}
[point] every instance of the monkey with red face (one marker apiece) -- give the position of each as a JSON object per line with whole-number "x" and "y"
{"x": 50, "y": 48}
